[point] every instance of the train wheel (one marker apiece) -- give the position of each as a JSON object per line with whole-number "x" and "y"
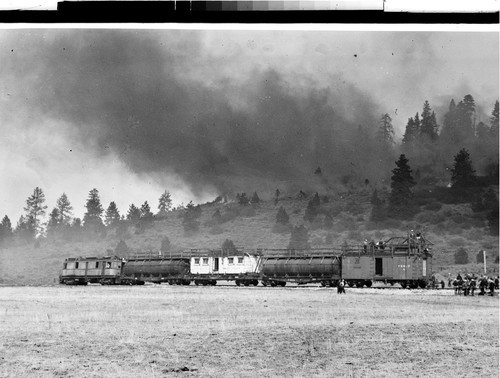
{"x": 273, "y": 283}
{"x": 196, "y": 282}
{"x": 323, "y": 283}
{"x": 283, "y": 283}
{"x": 422, "y": 284}
{"x": 255, "y": 282}
{"x": 350, "y": 283}
{"x": 403, "y": 285}
{"x": 246, "y": 283}
{"x": 238, "y": 283}
{"x": 214, "y": 282}
{"x": 359, "y": 284}
{"x": 264, "y": 283}
{"x": 368, "y": 283}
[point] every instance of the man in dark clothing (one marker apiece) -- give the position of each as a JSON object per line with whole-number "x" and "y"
{"x": 341, "y": 287}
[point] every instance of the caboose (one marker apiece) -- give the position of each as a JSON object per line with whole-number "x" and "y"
{"x": 403, "y": 260}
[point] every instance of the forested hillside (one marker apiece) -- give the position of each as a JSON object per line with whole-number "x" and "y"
{"x": 461, "y": 219}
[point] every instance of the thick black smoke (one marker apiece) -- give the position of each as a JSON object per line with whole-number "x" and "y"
{"x": 131, "y": 93}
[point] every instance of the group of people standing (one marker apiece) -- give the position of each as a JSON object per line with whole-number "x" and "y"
{"x": 468, "y": 285}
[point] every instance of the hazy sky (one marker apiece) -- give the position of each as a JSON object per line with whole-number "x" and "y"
{"x": 135, "y": 112}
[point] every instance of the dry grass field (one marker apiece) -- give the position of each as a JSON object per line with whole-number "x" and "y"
{"x": 155, "y": 331}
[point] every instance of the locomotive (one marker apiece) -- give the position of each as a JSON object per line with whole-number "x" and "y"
{"x": 403, "y": 260}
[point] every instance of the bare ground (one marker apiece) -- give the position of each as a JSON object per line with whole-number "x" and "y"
{"x": 155, "y": 331}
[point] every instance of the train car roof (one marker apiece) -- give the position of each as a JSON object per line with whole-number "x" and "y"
{"x": 79, "y": 258}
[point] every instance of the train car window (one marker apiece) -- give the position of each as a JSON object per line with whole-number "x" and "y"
{"x": 240, "y": 260}
{"x": 196, "y": 261}
{"x": 76, "y": 265}
{"x": 230, "y": 260}
{"x": 205, "y": 261}
{"x": 108, "y": 265}
{"x": 97, "y": 264}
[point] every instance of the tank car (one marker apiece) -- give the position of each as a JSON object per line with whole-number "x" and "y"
{"x": 83, "y": 270}
{"x": 302, "y": 267}
{"x": 157, "y": 268}
{"x": 403, "y": 260}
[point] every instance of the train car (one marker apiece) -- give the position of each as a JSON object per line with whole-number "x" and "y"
{"x": 83, "y": 270}
{"x": 302, "y": 267}
{"x": 157, "y": 268}
{"x": 209, "y": 266}
{"x": 406, "y": 261}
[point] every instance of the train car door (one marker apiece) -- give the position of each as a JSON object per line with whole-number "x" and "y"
{"x": 379, "y": 266}
{"x": 216, "y": 264}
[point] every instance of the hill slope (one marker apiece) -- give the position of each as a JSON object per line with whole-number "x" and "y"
{"x": 449, "y": 227}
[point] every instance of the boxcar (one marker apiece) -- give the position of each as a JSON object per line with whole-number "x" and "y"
{"x": 397, "y": 260}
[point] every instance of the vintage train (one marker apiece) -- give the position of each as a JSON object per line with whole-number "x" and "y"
{"x": 403, "y": 260}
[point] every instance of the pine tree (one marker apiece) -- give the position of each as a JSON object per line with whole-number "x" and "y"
{"x": 401, "y": 184}
{"x": 134, "y": 214}
{"x": 282, "y": 216}
{"x": 92, "y": 218}
{"x": 312, "y": 208}
{"x": 465, "y": 117}
{"x": 255, "y": 199}
{"x": 228, "y": 247}
{"x": 54, "y": 222}
{"x": 6, "y": 231}
{"x": 146, "y": 214}
{"x": 482, "y": 132}
{"x": 299, "y": 238}
{"x": 493, "y": 223}
{"x": 25, "y": 228}
{"x": 243, "y": 199}
{"x": 65, "y": 209}
{"x": 494, "y": 122}
{"x": 411, "y": 134}
{"x": 217, "y": 217}
{"x": 462, "y": 173}
{"x": 165, "y": 245}
{"x": 35, "y": 209}
{"x": 112, "y": 216}
{"x": 164, "y": 204}
{"x": 385, "y": 133}
{"x": 461, "y": 256}
{"x": 121, "y": 248}
{"x": 417, "y": 124}
{"x": 428, "y": 127}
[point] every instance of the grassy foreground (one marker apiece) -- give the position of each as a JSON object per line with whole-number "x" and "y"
{"x": 155, "y": 331}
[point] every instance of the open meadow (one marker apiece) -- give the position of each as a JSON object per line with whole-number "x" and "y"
{"x": 154, "y": 331}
